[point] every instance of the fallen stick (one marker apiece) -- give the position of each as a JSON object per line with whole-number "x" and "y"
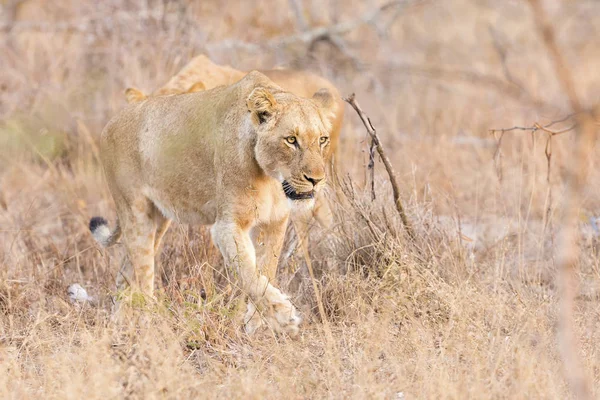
{"x": 386, "y": 162}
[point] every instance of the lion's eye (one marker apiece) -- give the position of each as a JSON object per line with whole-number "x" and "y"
{"x": 291, "y": 139}
{"x": 323, "y": 139}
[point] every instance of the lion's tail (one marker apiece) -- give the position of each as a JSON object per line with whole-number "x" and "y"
{"x": 102, "y": 233}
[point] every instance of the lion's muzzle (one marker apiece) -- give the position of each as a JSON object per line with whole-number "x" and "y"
{"x": 292, "y": 194}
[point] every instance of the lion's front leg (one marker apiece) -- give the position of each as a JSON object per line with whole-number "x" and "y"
{"x": 268, "y": 243}
{"x": 267, "y": 302}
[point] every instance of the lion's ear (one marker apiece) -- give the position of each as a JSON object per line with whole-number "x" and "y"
{"x": 262, "y": 105}
{"x": 134, "y": 95}
{"x": 197, "y": 87}
{"x": 325, "y": 99}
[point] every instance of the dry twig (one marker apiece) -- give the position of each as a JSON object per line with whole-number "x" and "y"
{"x": 568, "y": 246}
{"x": 533, "y": 129}
{"x": 386, "y": 162}
{"x": 371, "y": 168}
{"x": 538, "y": 127}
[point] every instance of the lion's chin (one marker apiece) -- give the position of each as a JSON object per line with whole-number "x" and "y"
{"x": 301, "y": 205}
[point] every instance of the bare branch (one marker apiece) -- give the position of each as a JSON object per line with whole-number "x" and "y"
{"x": 498, "y": 155}
{"x": 568, "y": 246}
{"x": 318, "y": 297}
{"x": 538, "y": 127}
{"x": 554, "y": 133}
{"x": 311, "y": 35}
{"x": 386, "y": 162}
{"x": 547, "y": 150}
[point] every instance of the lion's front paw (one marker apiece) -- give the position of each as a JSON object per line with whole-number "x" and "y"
{"x": 252, "y": 319}
{"x": 276, "y": 310}
{"x": 281, "y": 314}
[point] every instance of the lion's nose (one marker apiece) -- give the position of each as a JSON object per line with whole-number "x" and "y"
{"x": 312, "y": 180}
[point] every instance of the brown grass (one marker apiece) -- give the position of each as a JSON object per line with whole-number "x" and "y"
{"x": 471, "y": 312}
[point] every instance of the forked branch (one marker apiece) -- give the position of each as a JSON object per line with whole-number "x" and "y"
{"x": 386, "y": 162}
{"x": 539, "y": 127}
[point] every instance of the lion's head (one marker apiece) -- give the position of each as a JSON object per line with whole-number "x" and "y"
{"x": 293, "y": 136}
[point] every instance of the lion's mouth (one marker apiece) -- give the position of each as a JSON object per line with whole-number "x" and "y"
{"x": 292, "y": 194}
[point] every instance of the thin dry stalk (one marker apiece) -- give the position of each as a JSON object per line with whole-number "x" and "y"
{"x": 371, "y": 168}
{"x": 568, "y": 245}
{"x": 386, "y": 162}
{"x": 318, "y": 297}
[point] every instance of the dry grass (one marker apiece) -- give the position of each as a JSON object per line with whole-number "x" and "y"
{"x": 458, "y": 316}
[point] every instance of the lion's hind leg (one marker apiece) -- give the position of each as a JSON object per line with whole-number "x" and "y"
{"x": 139, "y": 223}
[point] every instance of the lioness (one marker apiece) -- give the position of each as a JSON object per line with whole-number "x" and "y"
{"x": 235, "y": 157}
{"x": 201, "y": 73}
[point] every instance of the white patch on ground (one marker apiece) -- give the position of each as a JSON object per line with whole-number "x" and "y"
{"x": 489, "y": 230}
{"x": 595, "y": 224}
{"x": 78, "y": 294}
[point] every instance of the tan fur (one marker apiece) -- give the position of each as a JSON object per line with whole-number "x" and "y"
{"x": 219, "y": 158}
